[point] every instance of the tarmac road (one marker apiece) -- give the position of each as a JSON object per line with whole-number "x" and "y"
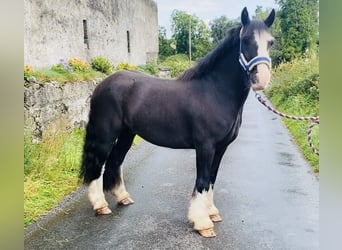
{"x": 265, "y": 191}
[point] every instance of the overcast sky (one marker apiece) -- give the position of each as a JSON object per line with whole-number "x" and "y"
{"x": 208, "y": 10}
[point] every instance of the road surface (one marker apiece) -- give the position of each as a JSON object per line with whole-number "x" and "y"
{"x": 265, "y": 191}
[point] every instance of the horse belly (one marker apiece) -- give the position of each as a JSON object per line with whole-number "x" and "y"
{"x": 162, "y": 131}
{"x": 159, "y": 114}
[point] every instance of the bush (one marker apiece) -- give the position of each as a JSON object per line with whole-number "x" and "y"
{"x": 177, "y": 63}
{"x": 299, "y": 77}
{"x": 101, "y": 64}
{"x": 150, "y": 68}
{"x": 78, "y": 65}
{"x": 126, "y": 66}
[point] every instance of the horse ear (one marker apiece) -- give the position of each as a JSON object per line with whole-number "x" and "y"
{"x": 270, "y": 19}
{"x": 245, "y": 17}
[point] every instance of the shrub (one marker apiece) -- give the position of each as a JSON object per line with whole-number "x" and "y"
{"x": 28, "y": 71}
{"x": 150, "y": 68}
{"x": 101, "y": 64}
{"x": 299, "y": 77}
{"x": 78, "y": 65}
{"x": 126, "y": 66}
{"x": 177, "y": 63}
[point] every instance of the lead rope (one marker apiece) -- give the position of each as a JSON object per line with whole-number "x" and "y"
{"x": 314, "y": 121}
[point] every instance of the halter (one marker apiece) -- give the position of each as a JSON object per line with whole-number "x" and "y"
{"x": 248, "y": 66}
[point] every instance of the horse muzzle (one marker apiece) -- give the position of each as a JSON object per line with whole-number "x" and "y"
{"x": 261, "y": 78}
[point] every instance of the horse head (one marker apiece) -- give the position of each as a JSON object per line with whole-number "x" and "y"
{"x": 255, "y": 42}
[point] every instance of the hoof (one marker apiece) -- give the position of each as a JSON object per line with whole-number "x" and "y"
{"x": 127, "y": 201}
{"x": 103, "y": 211}
{"x": 207, "y": 233}
{"x": 216, "y": 218}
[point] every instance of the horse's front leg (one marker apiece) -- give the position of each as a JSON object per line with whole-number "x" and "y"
{"x": 200, "y": 201}
{"x": 213, "y": 211}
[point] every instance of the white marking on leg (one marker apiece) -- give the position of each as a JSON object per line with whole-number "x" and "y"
{"x": 119, "y": 190}
{"x": 95, "y": 192}
{"x": 198, "y": 211}
{"x": 212, "y": 208}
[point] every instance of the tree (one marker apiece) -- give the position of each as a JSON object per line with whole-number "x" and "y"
{"x": 165, "y": 45}
{"x": 182, "y": 23}
{"x": 299, "y": 27}
{"x": 219, "y": 28}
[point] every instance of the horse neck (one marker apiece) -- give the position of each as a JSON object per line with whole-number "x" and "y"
{"x": 230, "y": 79}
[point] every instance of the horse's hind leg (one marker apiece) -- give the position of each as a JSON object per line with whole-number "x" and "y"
{"x": 113, "y": 175}
{"x": 97, "y": 197}
{"x": 97, "y": 147}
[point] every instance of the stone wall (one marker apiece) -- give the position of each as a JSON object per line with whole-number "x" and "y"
{"x": 46, "y": 104}
{"x": 121, "y": 30}
{"x": 51, "y": 103}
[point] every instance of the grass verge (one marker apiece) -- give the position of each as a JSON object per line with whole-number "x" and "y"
{"x": 51, "y": 170}
{"x": 295, "y": 91}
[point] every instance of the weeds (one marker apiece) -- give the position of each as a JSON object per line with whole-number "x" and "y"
{"x": 102, "y": 64}
{"x": 51, "y": 170}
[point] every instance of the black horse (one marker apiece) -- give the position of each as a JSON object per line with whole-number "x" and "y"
{"x": 200, "y": 110}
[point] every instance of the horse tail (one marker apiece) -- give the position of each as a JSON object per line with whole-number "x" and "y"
{"x": 94, "y": 156}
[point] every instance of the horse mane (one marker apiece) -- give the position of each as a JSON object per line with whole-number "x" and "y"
{"x": 207, "y": 63}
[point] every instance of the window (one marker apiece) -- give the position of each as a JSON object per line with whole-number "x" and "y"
{"x": 85, "y": 33}
{"x": 128, "y": 43}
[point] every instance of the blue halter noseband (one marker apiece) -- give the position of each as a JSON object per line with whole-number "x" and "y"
{"x": 248, "y": 66}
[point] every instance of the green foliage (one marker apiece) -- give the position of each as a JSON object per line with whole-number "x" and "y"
{"x": 177, "y": 63}
{"x": 28, "y": 72}
{"x": 299, "y": 27}
{"x": 219, "y": 28}
{"x": 62, "y": 67}
{"x": 101, "y": 64}
{"x": 78, "y": 65}
{"x": 64, "y": 76}
{"x": 295, "y": 91}
{"x": 150, "y": 68}
{"x": 51, "y": 170}
{"x": 182, "y": 24}
{"x": 126, "y": 66}
{"x": 165, "y": 45}
{"x": 63, "y": 72}
{"x": 59, "y": 67}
